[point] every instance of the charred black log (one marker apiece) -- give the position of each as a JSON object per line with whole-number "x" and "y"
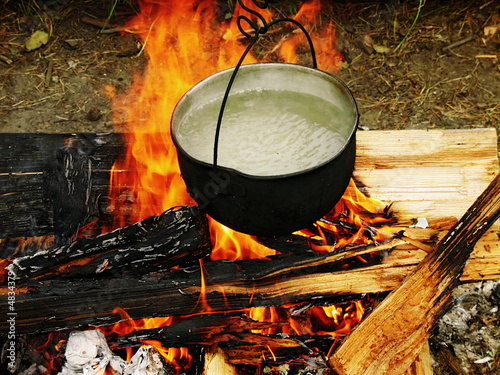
{"x": 178, "y": 236}
{"x": 53, "y": 183}
{"x": 46, "y": 305}
{"x": 235, "y": 333}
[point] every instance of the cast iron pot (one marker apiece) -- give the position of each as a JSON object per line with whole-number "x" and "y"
{"x": 268, "y": 205}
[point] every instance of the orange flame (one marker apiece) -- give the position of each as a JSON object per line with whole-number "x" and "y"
{"x": 359, "y": 214}
{"x": 185, "y": 43}
{"x": 232, "y": 245}
{"x": 51, "y": 350}
{"x": 127, "y": 326}
{"x": 333, "y": 320}
{"x": 183, "y": 47}
{"x": 328, "y": 58}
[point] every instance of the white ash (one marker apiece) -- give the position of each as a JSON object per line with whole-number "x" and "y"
{"x": 473, "y": 316}
{"x": 88, "y": 353}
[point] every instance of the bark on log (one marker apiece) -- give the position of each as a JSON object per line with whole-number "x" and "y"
{"x": 388, "y": 340}
{"x": 178, "y": 236}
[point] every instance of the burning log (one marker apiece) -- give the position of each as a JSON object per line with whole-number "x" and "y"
{"x": 232, "y": 332}
{"x": 388, "y": 341}
{"x": 178, "y": 236}
{"x": 57, "y": 304}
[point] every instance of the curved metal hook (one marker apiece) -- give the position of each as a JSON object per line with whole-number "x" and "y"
{"x": 260, "y": 29}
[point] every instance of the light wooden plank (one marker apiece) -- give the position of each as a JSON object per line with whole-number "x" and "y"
{"x": 427, "y": 173}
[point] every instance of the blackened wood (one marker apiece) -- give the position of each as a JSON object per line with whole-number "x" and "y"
{"x": 196, "y": 330}
{"x": 232, "y": 333}
{"x": 69, "y": 183}
{"x": 52, "y": 183}
{"x": 178, "y": 236}
{"x": 390, "y": 338}
{"x": 48, "y": 305}
{"x": 25, "y": 207}
{"x": 229, "y": 285}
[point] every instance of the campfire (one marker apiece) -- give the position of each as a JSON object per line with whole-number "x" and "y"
{"x": 149, "y": 283}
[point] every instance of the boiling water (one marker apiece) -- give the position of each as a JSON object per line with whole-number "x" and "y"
{"x": 267, "y": 133}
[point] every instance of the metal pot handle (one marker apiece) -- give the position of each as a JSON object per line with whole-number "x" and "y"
{"x": 259, "y": 30}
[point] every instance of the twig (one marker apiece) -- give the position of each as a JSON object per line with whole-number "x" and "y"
{"x": 30, "y": 103}
{"x": 420, "y": 5}
{"x": 460, "y": 43}
{"x": 6, "y": 59}
{"x": 103, "y": 25}
{"x": 48, "y": 75}
{"x": 418, "y": 244}
{"x": 147, "y": 37}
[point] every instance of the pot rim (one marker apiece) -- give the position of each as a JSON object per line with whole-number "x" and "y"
{"x": 268, "y": 65}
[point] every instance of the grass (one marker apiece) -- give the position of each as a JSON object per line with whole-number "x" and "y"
{"x": 420, "y": 5}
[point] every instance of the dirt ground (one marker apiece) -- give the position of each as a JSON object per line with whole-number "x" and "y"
{"x": 446, "y": 74}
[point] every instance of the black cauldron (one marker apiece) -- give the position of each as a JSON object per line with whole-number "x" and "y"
{"x": 277, "y": 204}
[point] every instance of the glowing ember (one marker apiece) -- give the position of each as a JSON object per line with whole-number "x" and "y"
{"x": 333, "y": 320}
{"x": 51, "y": 350}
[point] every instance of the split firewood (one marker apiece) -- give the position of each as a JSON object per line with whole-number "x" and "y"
{"x": 389, "y": 339}
{"x": 216, "y": 363}
{"x": 178, "y": 236}
{"x": 422, "y": 364}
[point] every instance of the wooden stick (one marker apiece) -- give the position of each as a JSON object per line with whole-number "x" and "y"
{"x": 48, "y": 75}
{"x": 460, "y": 42}
{"x": 390, "y": 338}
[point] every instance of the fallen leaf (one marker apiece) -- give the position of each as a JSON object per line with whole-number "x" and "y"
{"x": 38, "y": 39}
{"x": 381, "y": 49}
{"x": 366, "y": 44}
